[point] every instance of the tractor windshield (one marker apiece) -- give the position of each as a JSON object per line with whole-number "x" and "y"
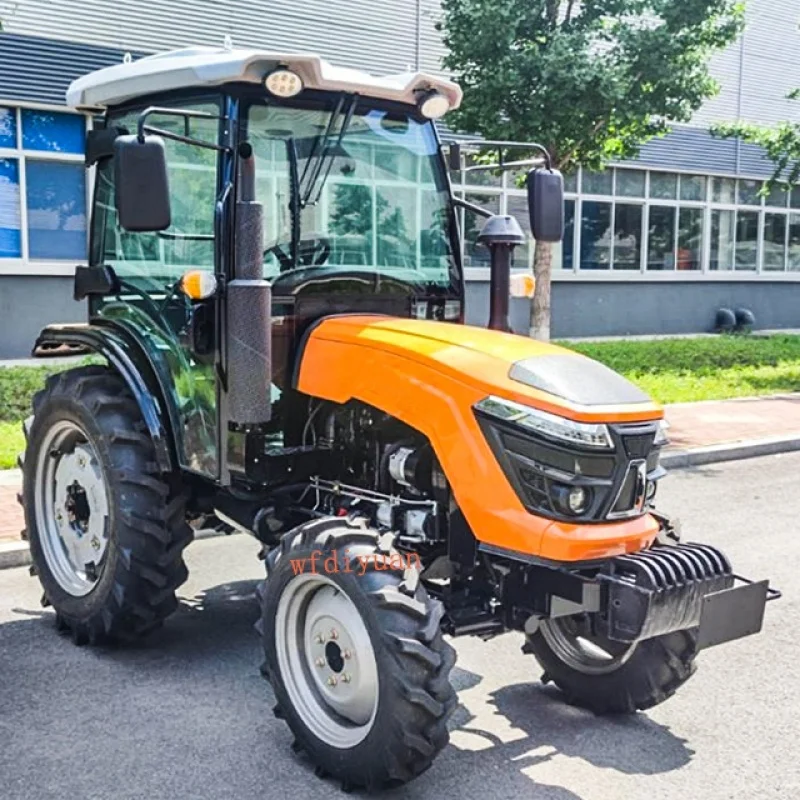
{"x": 352, "y": 189}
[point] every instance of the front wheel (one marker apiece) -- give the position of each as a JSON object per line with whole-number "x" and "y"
{"x": 355, "y": 654}
{"x": 610, "y": 677}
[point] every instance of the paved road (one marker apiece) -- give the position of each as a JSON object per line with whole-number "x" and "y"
{"x": 187, "y": 715}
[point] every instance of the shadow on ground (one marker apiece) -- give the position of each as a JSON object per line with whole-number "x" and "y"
{"x": 194, "y": 689}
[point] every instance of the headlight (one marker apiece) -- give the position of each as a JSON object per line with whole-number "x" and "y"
{"x": 586, "y": 434}
{"x": 661, "y": 434}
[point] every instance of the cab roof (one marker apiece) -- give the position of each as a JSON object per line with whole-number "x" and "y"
{"x": 213, "y": 66}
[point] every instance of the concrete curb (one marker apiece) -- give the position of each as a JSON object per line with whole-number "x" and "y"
{"x": 18, "y": 554}
{"x": 733, "y": 451}
{"x": 14, "y": 554}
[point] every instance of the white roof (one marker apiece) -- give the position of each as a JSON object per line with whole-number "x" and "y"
{"x": 212, "y": 66}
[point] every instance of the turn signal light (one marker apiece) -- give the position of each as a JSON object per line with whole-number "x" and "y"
{"x": 198, "y": 284}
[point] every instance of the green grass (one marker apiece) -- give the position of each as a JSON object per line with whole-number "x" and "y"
{"x": 685, "y": 370}
{"x": 12, "y": 443}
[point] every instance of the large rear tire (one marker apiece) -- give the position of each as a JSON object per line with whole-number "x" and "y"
{"x": 106, "y": 529}
{"x": 608, "y": 677}
{"x": 355, "y": 655}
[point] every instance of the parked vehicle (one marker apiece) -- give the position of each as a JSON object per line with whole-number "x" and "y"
{"x": 275, "y": 284}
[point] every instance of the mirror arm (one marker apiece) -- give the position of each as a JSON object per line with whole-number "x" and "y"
{"x": 142, "y": 129}
{"x": 472, "y": 207}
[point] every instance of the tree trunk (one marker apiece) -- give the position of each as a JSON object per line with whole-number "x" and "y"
{"x": 540, "y": 307}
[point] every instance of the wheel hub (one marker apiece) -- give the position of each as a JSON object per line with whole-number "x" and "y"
{"x": 327, "y": 661}
{"x": 71, "y": 508}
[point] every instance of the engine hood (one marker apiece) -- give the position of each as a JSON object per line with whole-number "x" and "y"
{"x": 503, "y": 364}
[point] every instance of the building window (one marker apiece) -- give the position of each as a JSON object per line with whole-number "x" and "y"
{"x": 42, "y": 186}
{"x": 627, "y": 236}
{"x": 661, "y": 237}
{"x": 722, "y": 240}
{"x": 691, "y": 224}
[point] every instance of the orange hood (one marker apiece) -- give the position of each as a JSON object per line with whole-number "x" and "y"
{"x": 502, "y": 364}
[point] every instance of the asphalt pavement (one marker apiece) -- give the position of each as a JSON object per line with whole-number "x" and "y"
{"x": 187, "y": 715}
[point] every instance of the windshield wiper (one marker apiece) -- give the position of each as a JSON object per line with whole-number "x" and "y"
{"x": 327, "y": 153}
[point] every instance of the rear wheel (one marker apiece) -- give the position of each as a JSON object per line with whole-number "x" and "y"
{"x": 607, "y": 676}
{"x": 355, "y": 655}
{"x": 106, "y": 528}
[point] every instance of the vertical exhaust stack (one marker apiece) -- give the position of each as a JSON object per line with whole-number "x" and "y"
{"x": 249, "y": 308}
{"x": 501, "y": 234}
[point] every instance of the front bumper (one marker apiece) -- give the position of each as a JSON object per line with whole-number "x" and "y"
{"x": 677, "y": 587}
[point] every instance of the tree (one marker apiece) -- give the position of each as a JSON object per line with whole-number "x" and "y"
{"x": 781, "y": 143}
{"x": 592, "y": 80}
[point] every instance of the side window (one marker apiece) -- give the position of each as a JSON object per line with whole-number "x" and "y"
{"x": 155, "y": 260}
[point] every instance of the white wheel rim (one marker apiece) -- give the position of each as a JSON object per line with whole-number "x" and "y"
{"x": 326, "y": 660}
{"x": 71, "y": 508}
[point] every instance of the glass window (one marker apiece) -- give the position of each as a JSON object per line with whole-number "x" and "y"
{"x": 475, "y": 254}
{"x": 8, "y": 127}
{"x": 517, "y": 207}
{"x": 748, "y": 193}
{"x": 661, "y": 238}
{"x": 795, "y": 197}
{"x": 627, "y": 236}
{"x": 774, "y": 253}
{"x": 597, "y": 182}
{"x": 595, "y": 235}
{"x": 663, "y": 185}
{"x": 568, "y": 244}
{"x": 693, "y": 187}
{"x": 746, "y": 240}
{"x": 778, "y": 196}
{"x": 794, "y": 241}
{"x": 630, "y": 182}
{"x": 691, "y": 222}
{"x": 54, "y": 132}
{"x": 571, "y": 182}
{"x": 56, "y": 203}
{"x": 723, "y": 190}
{"x": 480, "y": 177}
{"x": 722, "y": 238}
{"x": 10, "y": 224}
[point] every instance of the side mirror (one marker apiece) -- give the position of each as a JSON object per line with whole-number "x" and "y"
{"x": 141, "y": 184}
{"x": 546, "y": 205}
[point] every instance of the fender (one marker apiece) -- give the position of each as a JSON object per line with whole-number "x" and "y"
{"x": 432, "y": 386}
{"x": 131, "y": 361}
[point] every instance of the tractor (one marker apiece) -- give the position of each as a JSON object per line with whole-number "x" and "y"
{"x": 276, "y": 308}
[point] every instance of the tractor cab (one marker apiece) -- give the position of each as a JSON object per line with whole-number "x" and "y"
{"x": 245, "y": 196}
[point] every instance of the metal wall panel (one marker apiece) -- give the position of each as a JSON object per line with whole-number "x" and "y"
{"x": 593, "y": 308}
{"x": 377, "y": 36}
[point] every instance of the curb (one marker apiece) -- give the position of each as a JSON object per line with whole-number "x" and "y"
{"x": 14, "y": 554}
{"x": 18, "y": 554}
{"x": 732, "y": 451}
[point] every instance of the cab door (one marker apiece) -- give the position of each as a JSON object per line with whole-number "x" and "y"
{"x": 177, "y": 334}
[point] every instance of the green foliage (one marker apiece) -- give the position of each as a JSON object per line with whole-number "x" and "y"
{"x": 781, "y": 143}
{"x": 12, "y": 443}
{"x": 713, "y": 368}
{"x": 17, "y": 387}
{"x": 592, "y": 80}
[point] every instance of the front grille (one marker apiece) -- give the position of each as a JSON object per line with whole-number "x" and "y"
{"x": 618, "y": 484}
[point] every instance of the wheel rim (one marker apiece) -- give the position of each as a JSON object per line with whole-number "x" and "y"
{"x": 71, "y": 508}
{"x": 326, "y": 660}
{"x": 583, "y": 651}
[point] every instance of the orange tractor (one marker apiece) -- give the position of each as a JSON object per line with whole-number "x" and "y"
{"x": 275, "y": 285}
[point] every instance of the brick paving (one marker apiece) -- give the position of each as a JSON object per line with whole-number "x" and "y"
{"x": 691, "y": 425}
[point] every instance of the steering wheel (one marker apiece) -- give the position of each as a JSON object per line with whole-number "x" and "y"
{"x": 311, "y": 252}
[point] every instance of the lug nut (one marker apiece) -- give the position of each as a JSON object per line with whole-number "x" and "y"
{"x": 320, "y": 662}
{"x": 320, "y": 639}
{"x": 334, "y": 633}
{"x": 345, "y": 678}
{"x": 332, "y": 681}
{"x": 347, "y": 654}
